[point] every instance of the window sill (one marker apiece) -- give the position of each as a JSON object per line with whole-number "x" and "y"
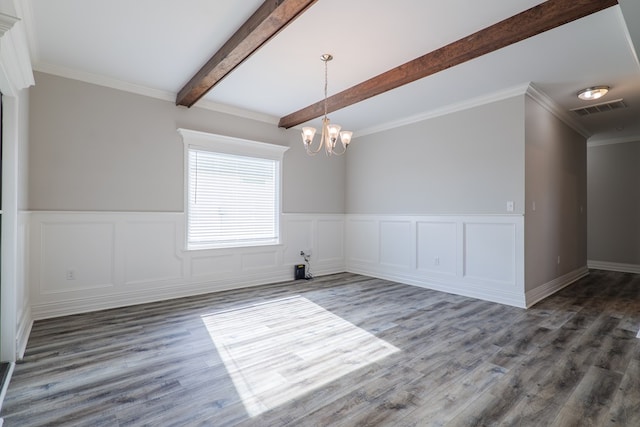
{"x": 248, "y": 246}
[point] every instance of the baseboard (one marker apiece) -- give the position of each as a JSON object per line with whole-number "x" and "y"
{"x": 466, "y": 289}
{"x": 69, "y": 307}
{"x": 547, "y": 289}
{"x": 24, "y": 330}
{"x": 163, "y": 292}
{"x": 614, "y": 266}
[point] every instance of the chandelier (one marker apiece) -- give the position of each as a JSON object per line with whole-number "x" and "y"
{"x": 330, "y": 132}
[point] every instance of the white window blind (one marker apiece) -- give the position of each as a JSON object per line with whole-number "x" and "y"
{"x": 232, "y": 200}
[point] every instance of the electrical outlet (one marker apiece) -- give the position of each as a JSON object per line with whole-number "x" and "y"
{"x": 436, "y": 261}
{"x": 71, "y": 275}
{"x": 558, "y": 259}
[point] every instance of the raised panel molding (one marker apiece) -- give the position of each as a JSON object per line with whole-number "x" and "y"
{"x": 207, "y": 265}
{"x": 299, "y": 235}
{"x": 330, "y": 240}
{"x": 363, "y": 240}
{"x": 76, "y": 255}
{"x": 489, "y": 252}
{"x": 436, "y": 244}
{"x": 151, "y": 251}
{"x": 394, "y": 251}
{"x": 480, "y": 256}
{"x": 261, "y": 260}
{"x": 399, "y": 248}
{"x": 124, "y": 258}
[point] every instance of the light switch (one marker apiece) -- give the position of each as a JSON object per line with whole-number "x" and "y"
{"x": 509, "y": 206}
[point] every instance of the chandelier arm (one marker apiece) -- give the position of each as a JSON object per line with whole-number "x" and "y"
{"x": 336, "y": 153}
{"x": 313, "y": 152}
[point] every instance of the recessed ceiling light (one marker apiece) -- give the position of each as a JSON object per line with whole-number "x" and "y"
{"x": 591, "y": 93}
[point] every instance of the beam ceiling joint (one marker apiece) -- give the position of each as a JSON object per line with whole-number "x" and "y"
{"x": 531, "y": 22}
{"x": 265, "y": 23}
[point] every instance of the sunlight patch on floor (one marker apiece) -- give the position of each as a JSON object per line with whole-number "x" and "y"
{"x": 279, "y": 350}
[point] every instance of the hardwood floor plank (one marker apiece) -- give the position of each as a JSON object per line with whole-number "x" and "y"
{"x": 340, "y": 350}
{"x": 589, "y": 403}
{"x": 623, "y": 410}
{"x": 444, "y": 402}
{"x": 491, "y": 407}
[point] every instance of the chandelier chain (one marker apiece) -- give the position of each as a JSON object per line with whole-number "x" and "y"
{"x": 326, "y": 83}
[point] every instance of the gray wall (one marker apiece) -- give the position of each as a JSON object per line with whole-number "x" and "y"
{"x": 614, "y": 203}
{"x": 556, "y": 181}
{"x": 468, "y": 162}
{"x": 23, "y": 150}
{"x": 94, "y": 148}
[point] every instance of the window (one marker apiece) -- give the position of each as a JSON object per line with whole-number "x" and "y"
{"x": 232, "y": 191}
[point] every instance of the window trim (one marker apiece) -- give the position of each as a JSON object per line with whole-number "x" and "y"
{"x": 235, "y": 146}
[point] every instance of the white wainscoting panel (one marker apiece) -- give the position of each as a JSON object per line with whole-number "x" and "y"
{"x": 222, "y": 265}
{"x": 394, "y": 251}
{"x": 261, "y": 260}
{"x": 84, "y": 250}
{"x": 152, "y": 250}
{"x": 123, "y": 258}
{"x": 362, "y": 240}
{"x": 494, "y": 266}
{"x": 436, "y": 247}
{"x": 330, "y": 240}
{"x": 299, "y": 235}
{"x": 85, "y": 261}
{"x": 480, "y": 256}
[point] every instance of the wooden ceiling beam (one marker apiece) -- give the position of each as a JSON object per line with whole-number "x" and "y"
{"x": 270, "y": 18}
{"x": 541, "y": 18}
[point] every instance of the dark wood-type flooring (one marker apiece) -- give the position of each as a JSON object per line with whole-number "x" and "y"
{"x": 341, "y": 350}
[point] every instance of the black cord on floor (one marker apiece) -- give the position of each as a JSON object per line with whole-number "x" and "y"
{"x": 307, "y": 261}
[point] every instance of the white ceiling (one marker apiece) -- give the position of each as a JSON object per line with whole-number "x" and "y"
{"x": 155, "y": 46}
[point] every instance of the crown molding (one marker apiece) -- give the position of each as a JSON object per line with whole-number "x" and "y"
{"x": 15, "y": 63}
{"x": 612, "y": 141}
{"x": 528, "y": 88}
{"x": 447, "y": 109}
{"x": 548, "y": 104}
{"x": 541, "y": 98}
{"x": 24, "y": 9}
{"x": 236, "y": 111}
{"x": 6, "y": 23}
{"x": 101, "y": 80}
